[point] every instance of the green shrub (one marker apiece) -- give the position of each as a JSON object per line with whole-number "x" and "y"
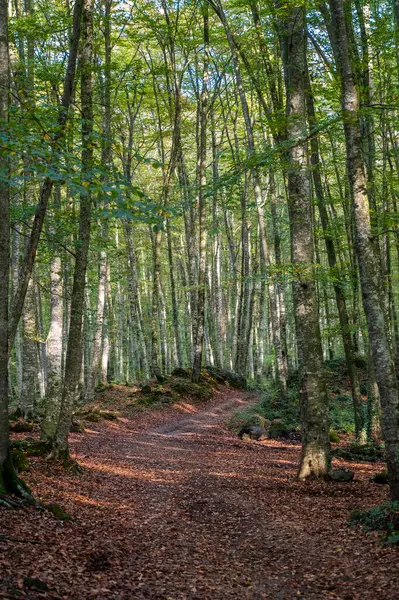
{"x": 383, "y": 518}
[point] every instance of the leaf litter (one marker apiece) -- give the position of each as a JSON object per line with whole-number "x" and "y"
{"x": 172, "y": 506}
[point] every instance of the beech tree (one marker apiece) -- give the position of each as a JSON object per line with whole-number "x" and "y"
{"x": 192, "y": 185}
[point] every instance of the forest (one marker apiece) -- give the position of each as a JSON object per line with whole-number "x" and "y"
{"x": 199, "y": 252}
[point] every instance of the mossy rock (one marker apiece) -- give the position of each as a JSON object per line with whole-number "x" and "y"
{"x": 19, "y": 460}
{"x": 166, "y": 399}
{"x": 380, "y": 478}
{"x": 93, "y": 417}
{"x": 21, "y": 426}
{"x": 76, "y": 427}
{"x": 32, "y": 447}
{"x": 359, "y": 453}
{"x": 361, "y": 361}
{"x": 33, "y": 583}
{"x": 146, "y": 388}
{"x": 201, "y": 391}
{"x": 334, "y": 437}
{"x": 58, "y": 512}
{"x": 278, "y": 430}
{"x": 109, "y": 415}
{"x": 180, "y": 372}
{"x": 227, "y": 377}
{"x": 15, "y": 415}
{"x": 341, "y": 475}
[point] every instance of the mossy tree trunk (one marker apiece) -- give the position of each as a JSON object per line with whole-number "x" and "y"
{"x": 202, "y": 234}
{"x": 368, "y": 257}
{"x": 9, "y": 482}
{"x": 314, "y": 400}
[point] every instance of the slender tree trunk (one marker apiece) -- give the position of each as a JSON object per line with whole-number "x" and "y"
{"x": 47, "y": 186}
{"x": 369, "y": 263}
{"x": 175, "y": 307}
{"x": 52, "y": 403}
{"x": 156, "y": 285}
{"x": 359, "y": 413}
{"x": 73, "y": 364}
{"x": 27, "y": 399}
{"x": 201, "y": 296}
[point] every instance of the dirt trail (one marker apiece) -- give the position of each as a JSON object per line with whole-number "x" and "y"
{"x": 173, "y": 507}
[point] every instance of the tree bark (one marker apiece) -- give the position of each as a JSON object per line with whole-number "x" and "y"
{"x": 73, "y": 363}
{"x": 47, "y": 186}
{"x": 315, "y": 456}
{"x": 201, "y": 296}
{"x": 369, "y": 262}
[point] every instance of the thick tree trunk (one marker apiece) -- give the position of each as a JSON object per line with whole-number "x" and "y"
{"x": 369, "y": 261}
{"x": 9, "y": 482}
{"x": 314, "y": 400}
{"x": 4, "y": 251}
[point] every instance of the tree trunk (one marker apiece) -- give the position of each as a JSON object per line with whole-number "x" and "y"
{"x": 369, "y": 263}
{"x": 314, "y": 400}
{"x": 47, "y": 186}
{"x": 201, "y": 296}
{"x": 73, "y": 364}
{"x": 359, "y": 413}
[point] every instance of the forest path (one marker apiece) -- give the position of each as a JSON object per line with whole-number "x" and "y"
{"x": 173, "y": 507}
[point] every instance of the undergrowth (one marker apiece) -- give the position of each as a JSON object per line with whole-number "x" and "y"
{"x": 272, "y": 408}
{"x": 383, "y": 518}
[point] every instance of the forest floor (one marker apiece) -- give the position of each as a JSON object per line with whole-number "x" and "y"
{"x": 172, "y": 506}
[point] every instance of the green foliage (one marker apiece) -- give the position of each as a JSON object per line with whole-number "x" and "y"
{"x": 341, "y": 413}
{"x": 383, "y": 518}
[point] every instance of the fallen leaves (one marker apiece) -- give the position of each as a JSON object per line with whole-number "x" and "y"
{"x": 171, "y": 506}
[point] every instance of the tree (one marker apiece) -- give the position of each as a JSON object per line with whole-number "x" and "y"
{"x": 314, "y": 400}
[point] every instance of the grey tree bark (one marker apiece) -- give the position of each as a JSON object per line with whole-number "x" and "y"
{"x": 369, "y": 262}
{"x": 73, "y": 363}
{"x": 315, "y": 455}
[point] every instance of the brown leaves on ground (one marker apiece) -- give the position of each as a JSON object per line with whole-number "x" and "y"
{"x": 170, "y": 506}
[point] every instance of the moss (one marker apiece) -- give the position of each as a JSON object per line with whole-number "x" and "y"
{"x": 279, "y": 430}
{"x": 21, "y": 427}
{"x": 19, "y": 460}
{"x": 32, "y": 447}
{"x": 381, "y": 478}
{"x": 76, "y": 427}
{"x": 15, "y": 415}
{"x": 58, "y": 512}
{"x": 109, "y": 415}
{"x": 201, "y": 391}
{"x": 364, "y": 453}
{"x": 10, "y": 483}
{"x": 227, "y": 377}
{"x": 180, "y": 372}
{"x": 334, "y": 437}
